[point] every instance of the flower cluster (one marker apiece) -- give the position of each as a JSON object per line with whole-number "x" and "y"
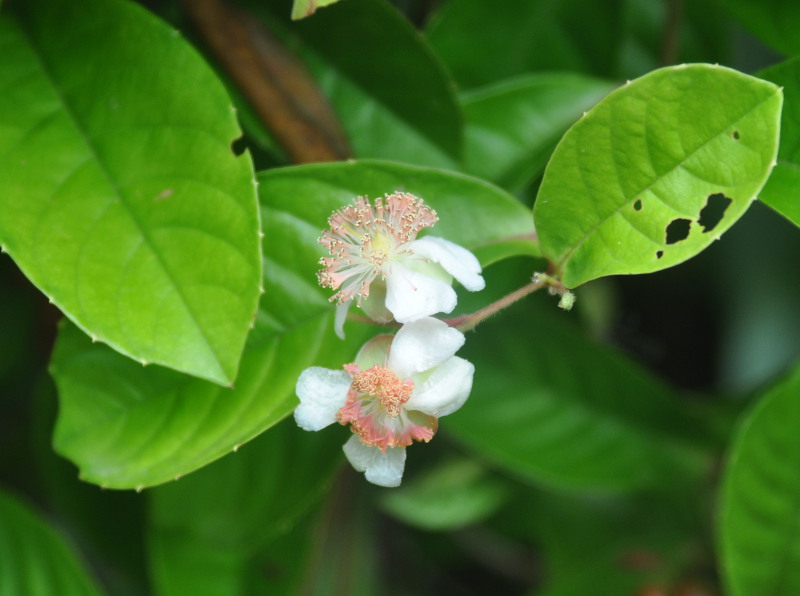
{"x": 398, "y": 386}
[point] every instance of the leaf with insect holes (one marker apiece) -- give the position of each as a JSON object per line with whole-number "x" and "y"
{"x": 121, "y": 197}
{"x": 657, "y": 171}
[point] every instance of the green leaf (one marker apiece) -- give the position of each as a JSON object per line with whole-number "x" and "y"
{"x": 760, "y": 499}
{"x": 226, "y": 512}
{"x": 305, "y": 8}
{"x": 483, "y": 42}
{"x": 35, "y": 559}
{"x": 513, "y": 126}
{"x": 448, "y": 497}
{"x": 554, "y": 409}
{"x": 128, "y": 426}
{"x": 388, "y": 107}
{"x": 656, "y": 171}
{"x": 121, "y": 197}
{"x": 782, "y": 191}
{"x": 774, "y": 21}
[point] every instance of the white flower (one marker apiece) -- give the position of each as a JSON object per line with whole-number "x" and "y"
{"x": 392, "y": 395}
{"x": 378, "y": 262}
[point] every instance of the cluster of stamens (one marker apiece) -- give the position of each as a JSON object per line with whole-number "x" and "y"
{"x": 374, "y": 409}
{"x": 363, "y": 238}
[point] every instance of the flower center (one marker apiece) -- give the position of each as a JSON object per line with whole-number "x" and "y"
{"x": 384, "y": 384}
{"x": 363, "y": 238}
{"x": 374, "y": 409}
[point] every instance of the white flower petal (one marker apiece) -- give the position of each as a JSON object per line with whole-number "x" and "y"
{"x": 445, "y": 390}
{"x": 382, "y": 468}
{"x": 411, "y": 295}
{"x": 322, "y": 393}
{"x": 340, "y": 317}
{"x": 456, "y": 260}
{"x": 421, "y": 345}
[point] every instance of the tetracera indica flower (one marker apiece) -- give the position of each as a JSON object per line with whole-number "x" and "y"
{"x": 392, "y": 395}
{"x": 378, "y": 261}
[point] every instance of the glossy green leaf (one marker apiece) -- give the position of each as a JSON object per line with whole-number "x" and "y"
{"x": 513, "y": 126}
{"x": 759, "y": 537}
{"x": 115, "y": 168}
{"x": 782, "y": 191}
{"x": 127, "y": 426}
{"x": 551, "y": 407}
{"x": 390, "y": 106}
{"x": 375, "y": 132}
{"x": 226, "y": 512}
{"x": 305, "y": 8}
{"x": 35, "y": 559}
{"x": 483, "y": 42}
{"x": 449, "y": 496}
{"x": 657, "y": 171}
{"x": 774, "y": 21}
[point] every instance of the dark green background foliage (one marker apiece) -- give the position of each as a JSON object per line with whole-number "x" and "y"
{"x": 160, "y": 212}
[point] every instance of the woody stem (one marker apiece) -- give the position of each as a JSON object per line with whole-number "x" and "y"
{"x": 472, "y": 320}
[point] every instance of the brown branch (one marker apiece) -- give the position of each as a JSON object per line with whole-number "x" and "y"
{"x": 672, "y": 30}
{"x": 275, "y": 83}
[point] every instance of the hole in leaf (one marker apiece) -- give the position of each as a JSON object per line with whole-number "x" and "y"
{"x": 712, "y": 213}
{"x": 659, "y": 254}
{"x": 238, "y": 146}
{"x": 735, "y": 135}
{"x": 638, "y": 205}
{"x": 678, "y": 229}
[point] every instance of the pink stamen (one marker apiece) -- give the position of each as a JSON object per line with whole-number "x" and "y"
{"x": 374, "y": 409}
{"x": 364, "y": 238}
